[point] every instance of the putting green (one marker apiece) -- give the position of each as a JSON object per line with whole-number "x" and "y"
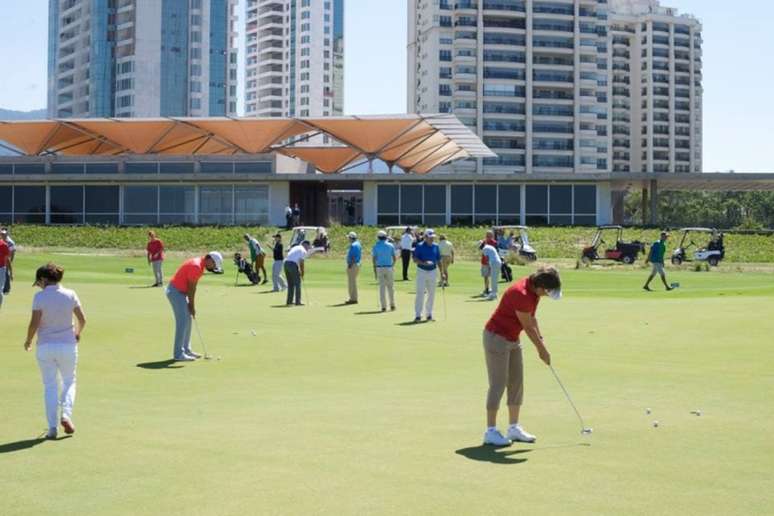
{"x": 344, "y": 410}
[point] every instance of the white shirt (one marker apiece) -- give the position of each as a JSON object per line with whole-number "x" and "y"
{"x": 56, "y": 323}
{"x": 406, "y": 241}
{"x": 296, "y": 254}
{"x": 11, "y": 244}
{"x": 492, "y": 254}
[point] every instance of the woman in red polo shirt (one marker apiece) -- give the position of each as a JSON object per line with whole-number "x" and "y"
{"x": 502, "y": 349}
{"x": 181, "y": 293}
{"x": 155, "y": 252}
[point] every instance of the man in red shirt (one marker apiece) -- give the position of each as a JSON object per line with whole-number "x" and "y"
{"x": 181, "y": 293}
{"x": 485, "y": 270}
{"x": 155, "y": 252}
{"x": 502, "y": 349}
{"x": 5, "y": 264}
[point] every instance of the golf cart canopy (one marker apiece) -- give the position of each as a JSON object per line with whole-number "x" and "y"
{"x": 700, "y": 230}
{"x": 520, "y": 228}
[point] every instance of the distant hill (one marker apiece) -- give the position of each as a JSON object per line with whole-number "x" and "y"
{"x": 10, "y": 114}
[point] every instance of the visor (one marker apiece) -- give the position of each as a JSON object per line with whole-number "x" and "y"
{"x": 555, "y": 294}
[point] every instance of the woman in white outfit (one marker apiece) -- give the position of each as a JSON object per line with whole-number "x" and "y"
{"x": 57, "y": 351}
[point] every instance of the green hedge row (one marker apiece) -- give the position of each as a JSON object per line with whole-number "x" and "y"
{"x": 565, "y": 242}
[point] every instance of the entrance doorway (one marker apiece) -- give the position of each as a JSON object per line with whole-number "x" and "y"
{"x": 323, "y": 203}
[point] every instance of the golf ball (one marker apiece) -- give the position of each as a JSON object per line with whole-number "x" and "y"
{"x": 218, "y": 358}
{"x": 696, "y": 412}
{"x": 655, "y": 424}
{"x": 647, "y": 411}
{"x": 587, "y": 431}
{"x": 252, "y": 332}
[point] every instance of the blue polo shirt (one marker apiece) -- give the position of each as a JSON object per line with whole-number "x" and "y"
{"x": 424, "y": 253}
{"x": 383, "y": 253}
{"x": 355, "y": 253}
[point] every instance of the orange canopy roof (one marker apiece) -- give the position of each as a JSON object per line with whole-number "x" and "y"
{"x": 416, "y": 143}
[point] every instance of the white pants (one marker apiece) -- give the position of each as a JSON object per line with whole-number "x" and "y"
{"x": 386, "y": 278}
{"x": 2, "y": 284}
{"x": 58, "y": 360}
{"x": 278, "y": 282}
{"x": 494, "y": 278}
{"x": 425, "y": 282}
{"x": 157, "y": 271}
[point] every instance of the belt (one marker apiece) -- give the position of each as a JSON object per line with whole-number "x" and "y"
{"x": 384, "y": 266}
{"x": 426, "y": 268}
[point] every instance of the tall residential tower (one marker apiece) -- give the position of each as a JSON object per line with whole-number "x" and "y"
{"x": 294, "y": 58}
{"x": 141, "y": 58}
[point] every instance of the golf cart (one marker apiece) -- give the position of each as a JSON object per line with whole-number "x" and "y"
{"x": 316, "y": 235}
{"x": 712, "y": 254}
{"x": 625, "y": 252}
{"x": 519, "y": 249}
{"x": 394, "y": 234}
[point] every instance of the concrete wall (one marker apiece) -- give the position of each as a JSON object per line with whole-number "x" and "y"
{"x": 369, "y": 204}
{"x": 604, "y": 204}
{"x": 279, "y": 197}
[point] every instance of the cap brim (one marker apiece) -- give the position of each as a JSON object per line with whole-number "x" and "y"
{"x": 555, "y": 294}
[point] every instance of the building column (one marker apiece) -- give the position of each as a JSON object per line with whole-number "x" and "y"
{"x": 654, "y": 202}
{"x": 618, "y": 200}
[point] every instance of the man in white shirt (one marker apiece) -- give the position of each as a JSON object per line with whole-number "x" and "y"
{"x": 495, "y": 263}
{"x": 406, "y": 250}
{"x": 294, "y": 271}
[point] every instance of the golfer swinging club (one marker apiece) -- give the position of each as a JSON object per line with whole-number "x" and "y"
{"x": 502, "y": 350}
{"x": 181, "y": 293}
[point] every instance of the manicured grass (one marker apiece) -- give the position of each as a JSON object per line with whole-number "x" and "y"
{"x": 339, "y": 410}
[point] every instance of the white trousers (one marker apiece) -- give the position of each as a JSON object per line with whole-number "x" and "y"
{"x": 425, "y": 283}
{"x": 386, "y": 278}
{"x": 278, "y": 282}
{"x": 55, "y": 361}
{"x": 2, "y": 284}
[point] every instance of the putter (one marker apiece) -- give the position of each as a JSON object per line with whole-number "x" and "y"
{"x": 201, "y": 340}
{"x": 443, "y": 295}
{"x": 584, "y": 430}
{"x": 236, "y": 280}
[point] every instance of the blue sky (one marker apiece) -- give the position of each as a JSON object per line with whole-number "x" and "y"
{"x": 738, "y": 50}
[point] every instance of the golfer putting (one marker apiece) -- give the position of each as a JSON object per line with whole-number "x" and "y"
{"x": 294, "y": 271}
{"x": 181, "y": 293}
{"x": 502, "y": 350}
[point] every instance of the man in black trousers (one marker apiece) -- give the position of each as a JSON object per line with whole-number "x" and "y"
{"x": 406, "y": 250}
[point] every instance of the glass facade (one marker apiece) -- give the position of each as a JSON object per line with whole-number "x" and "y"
{"x": 174, "y": 58}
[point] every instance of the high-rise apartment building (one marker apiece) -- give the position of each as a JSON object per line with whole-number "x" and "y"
{"x": 294, "y": 58}
{"x": 548, "y": 85}
{"x": 657, "y": 88}
{"x": 142, "y": 58}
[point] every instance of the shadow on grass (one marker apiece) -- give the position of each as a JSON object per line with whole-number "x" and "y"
{"x": 269, "y": 292}
{"x": 414, "y": 323}
{"x": 479, "y": 300}
{"x": 340, "y": 305}
{"x": 372, "y": 312}
{"x": 491, "y": 454}
{"x": 283, "y": 306}
{"x": 161, "y": 364}
{"x": 143, "y": 286}
{"x": 27, "y": 444}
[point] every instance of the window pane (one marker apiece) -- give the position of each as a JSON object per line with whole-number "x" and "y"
{"x": 387, "y": 198}
{"x": 435, "y": 220}
{"x": 6, "y": 199}
{"x": 101, "y": 199}
{"x": 102, "y": 218}
{"x": 411, "y": 199}
{"x": 216, "y": 205}
{"x": 585, "y": 199}
{"x": 462, "y": 220}
{"x": 29, "y": 168}
{"x": 561, "y": 220}
{"x": 253, "y": 167}
{"x": 486, "y": 198}
{"x": 66, "y": 199}
{"x": 177, "y": 199}
{"x": 30, "y": 199}
{"x": 435, "y": 199}
{"x": 176, "y": 218}
{"x": 510, "y": 220}
{"x": 561, "y": 199}
{"x": 537, "y": 199}
{"x": 537, "y": 220}
{"x": 510, "y": 200}
{"x": 485, "y": 220}
{"x": 141, "y": 199}
{"x": 585, "y": 220}
{"x": 6, "y": 170}
{"x": 101, "y": 168}
{"x": 387, "y": 220}
{"x": 214, "y": 167}
{"x": 411, "y": 220}
{"x": 252, "y": 204}
{"x": 150, "y": 167}
{"x": 67, "y": 168}
{"x": 462, "y": 199}
{"x": 29, "y": 218}
{"x": 176, "y": 168}
{"x": 140, "y": 219}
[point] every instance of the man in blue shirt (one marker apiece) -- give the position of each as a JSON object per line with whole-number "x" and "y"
{"x": 427, "y": 255}
{"x": 353, "y": 267}
{"x": 384, "y": 261}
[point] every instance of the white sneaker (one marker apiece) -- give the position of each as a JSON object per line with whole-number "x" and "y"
{"x": 493, "y": 437}
{"x": 491, "y": 297}
{"x": 517, "y": 433}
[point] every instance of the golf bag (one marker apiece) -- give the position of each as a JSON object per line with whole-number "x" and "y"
{"x": 245, "y": 268}
{"x": 506, "y": 272}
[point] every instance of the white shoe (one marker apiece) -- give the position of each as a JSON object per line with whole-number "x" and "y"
{"x": 517, "y": 433}
{"x": 51, "y": 434}
{"x": 493, "y": 437}
{"x": 491, "y": 297}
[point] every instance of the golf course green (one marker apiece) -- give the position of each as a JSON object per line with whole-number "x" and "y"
{"x": 332, "y": 409}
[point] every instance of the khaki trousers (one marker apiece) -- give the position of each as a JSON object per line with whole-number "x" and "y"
{"x": 505, "y": 369}
{"x": 352, "y": 272}
{"x": 386, "y": 277}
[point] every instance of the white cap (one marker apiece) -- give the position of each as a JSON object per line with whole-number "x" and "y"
{"x": 430, "y": 233}
{"x": 555, "y": 294}
{"x": 218, "y": 259}
{"x": 381, "y": 234}
{"x": 352, "y": 235}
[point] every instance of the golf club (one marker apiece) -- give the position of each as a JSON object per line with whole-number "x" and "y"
{"x": 443, "y": 295}
{"x": 236, "y": 280}
{"x": 201, "y": 340}
{"x": 584, "y": 430}
{"x": 305, "y": 289}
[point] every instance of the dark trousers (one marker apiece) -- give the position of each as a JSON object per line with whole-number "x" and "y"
{"x": 293, "y": 275}
{"x": 405, "y": 255}
{"x": 7, "y": 287}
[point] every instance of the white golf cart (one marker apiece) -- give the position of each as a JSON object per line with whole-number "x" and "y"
{"x": 519, "y": 249}
{"x": 713, "y": 253}
{"x": 316, "y": 235}
{"x": 394, "y": 234}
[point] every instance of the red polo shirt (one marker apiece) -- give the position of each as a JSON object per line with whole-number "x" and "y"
{"x": 5, "y": 252}
{"x": 189, "y": 272}
{"x": 517, "y": 298}
{"x": 155, "y": 250}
